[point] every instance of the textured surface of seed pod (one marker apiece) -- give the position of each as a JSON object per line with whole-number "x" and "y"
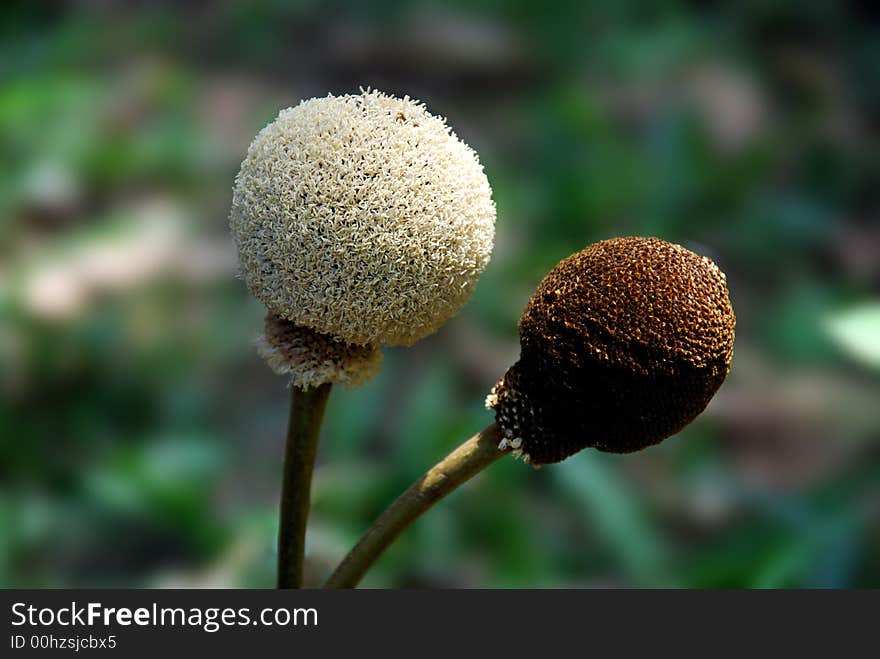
{"x": 362, "y": 217}
{"x": 622, "y": 345}
{"x": 312, "y": 358}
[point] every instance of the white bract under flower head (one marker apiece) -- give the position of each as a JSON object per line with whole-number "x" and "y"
{"x": 362, "y": 217}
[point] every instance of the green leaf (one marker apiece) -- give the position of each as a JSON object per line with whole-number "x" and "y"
{"x": 592, "y": 483}
{"x": 857, "y": 332}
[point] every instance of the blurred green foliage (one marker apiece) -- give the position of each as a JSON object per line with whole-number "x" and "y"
{"x": 141, "y": 436}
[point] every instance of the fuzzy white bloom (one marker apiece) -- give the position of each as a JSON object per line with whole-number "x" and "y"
{"x": 362, "y": 217}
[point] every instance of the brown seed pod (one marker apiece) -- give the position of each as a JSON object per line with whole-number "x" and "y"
{"x": 622, "y": 345}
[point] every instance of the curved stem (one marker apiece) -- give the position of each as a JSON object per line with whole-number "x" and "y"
{"x": 303, "y": 430}
{"x": 466, "y": 461}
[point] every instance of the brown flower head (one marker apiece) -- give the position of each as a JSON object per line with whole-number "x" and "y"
{"x": 622, "y": 345}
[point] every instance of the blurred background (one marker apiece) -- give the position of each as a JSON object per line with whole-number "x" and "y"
{"x": 141, "y": 436}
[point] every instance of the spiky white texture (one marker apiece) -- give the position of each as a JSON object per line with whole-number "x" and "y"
{"x": 363, "y": 217}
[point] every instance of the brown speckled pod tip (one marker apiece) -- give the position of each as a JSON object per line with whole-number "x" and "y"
{"x": 622, "y": 345}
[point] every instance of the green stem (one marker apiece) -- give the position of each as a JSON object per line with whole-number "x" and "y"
{"x": 466, "y": 461}
{"x": 303, "y": 430}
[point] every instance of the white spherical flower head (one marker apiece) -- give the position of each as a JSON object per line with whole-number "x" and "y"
{"x": 362, "y": 217}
